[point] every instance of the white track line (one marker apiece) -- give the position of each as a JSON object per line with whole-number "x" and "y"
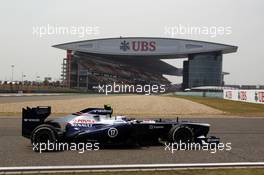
{"x": 126, "y": 167}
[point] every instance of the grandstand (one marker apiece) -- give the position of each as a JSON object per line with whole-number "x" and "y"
{"x": 93, "y": 71}
{"x": 138, "y": 60}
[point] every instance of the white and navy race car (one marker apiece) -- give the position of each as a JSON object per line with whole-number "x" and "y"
{"x": 98, "y": 124}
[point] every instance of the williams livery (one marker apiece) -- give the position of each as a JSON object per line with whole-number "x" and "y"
{"x": 98, "y": 125}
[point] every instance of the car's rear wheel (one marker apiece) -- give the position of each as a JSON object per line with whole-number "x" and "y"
{"x": 181, "y": 133}
{"x": 43, "y": 134}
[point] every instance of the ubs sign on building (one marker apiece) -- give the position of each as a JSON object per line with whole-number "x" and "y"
{"x": 203, "y": 67}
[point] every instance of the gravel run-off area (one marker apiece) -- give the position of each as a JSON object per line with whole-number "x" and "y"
{"x": 132, "y": 105}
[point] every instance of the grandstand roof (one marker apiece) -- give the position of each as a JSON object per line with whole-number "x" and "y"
{"x": 146, "y": 46}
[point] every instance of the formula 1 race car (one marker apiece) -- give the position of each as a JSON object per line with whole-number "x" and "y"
{"x": 98, "y": 124}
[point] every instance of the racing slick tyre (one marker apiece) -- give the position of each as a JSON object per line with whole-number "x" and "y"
{"x": 181, "y": 133}
{"x": 42, "y": 135}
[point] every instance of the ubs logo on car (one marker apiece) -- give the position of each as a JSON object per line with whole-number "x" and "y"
{"x": 112, "y": 132}
{"x": 138, "y": 46}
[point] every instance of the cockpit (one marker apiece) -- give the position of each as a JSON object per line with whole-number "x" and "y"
{"x": 100, "y": 115}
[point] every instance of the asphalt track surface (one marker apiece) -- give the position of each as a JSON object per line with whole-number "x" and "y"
{"x": 245, "y": 134}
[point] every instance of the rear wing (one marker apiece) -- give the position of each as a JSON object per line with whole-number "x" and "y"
{"x": 33, "y": 117}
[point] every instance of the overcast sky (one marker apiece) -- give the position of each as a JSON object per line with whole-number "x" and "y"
{"x": 34, "y": 56}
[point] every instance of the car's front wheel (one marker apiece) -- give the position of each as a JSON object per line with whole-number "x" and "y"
{"x": 181, "y": 133}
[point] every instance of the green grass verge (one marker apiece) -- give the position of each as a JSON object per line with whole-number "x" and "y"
{"x": 245, "y": 171}
{"x": 229, "y": 106}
